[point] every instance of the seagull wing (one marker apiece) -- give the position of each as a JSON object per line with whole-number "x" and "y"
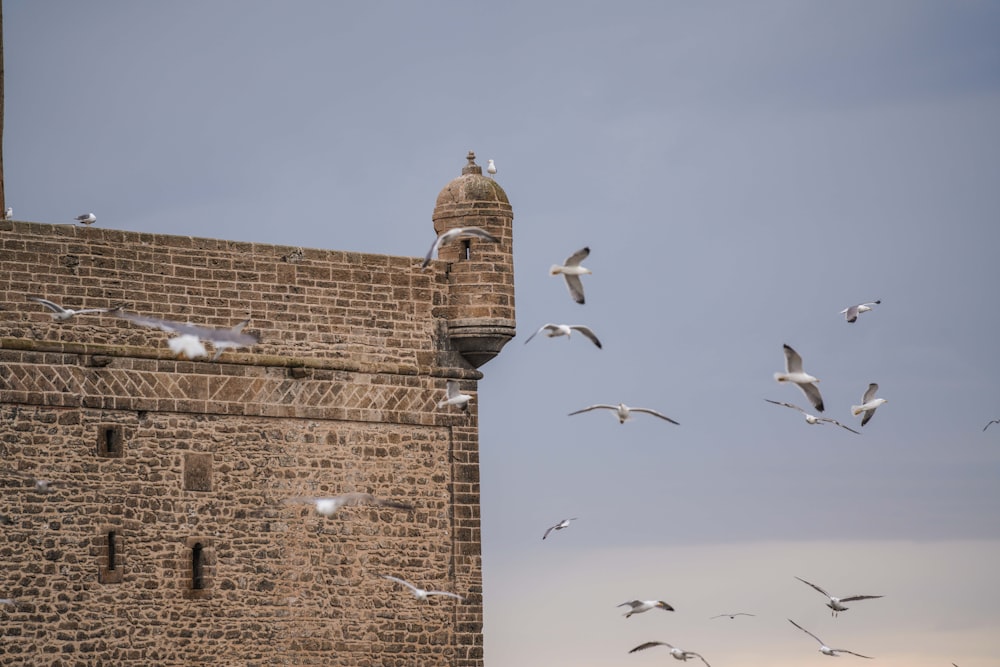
{"x": 868, "y": 416}
{"x": 851, "y": 314}
{"x": 452, "y": 389}
{"x": 834, "y": 421}
{"x": 54, "y": 307}
{"x": 699, "y": 656}
{"x": 430, "y": 253}
{"x": 793, "y": 361}
{"x": 642, "y": 647}
{"x": 575, "y": 286}
{"x": 477, "y": 232}
{"x": 814, "y": 586}
{"x": 787, "y": 405}
{"x": 631, "y": 603}
{"x": 812, "y": 393}
{"x": 413, "y": 588}
{"x": 577, "y": 257}
{"x": 586, "y": 331}
{"x": 549, "y": 530}
{"x": 540, "y": 330}
{"x": 844, "y": 650}
{"x": 803, "y": 629}
{"x": 860, "y": 597}
{"x": 595, "y": 407}
{"x": 453, "y": 595}
{"x": 870, "y": 394}
{"x": 153, "y": 322}
{"x": 993, "y": 421}
{"x": 655, "y": 414}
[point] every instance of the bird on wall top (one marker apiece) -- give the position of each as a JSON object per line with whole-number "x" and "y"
{"x": 559, "y": 526}
{"x": 624, "y": 412}
{"x": 452, "y": 235}
{"x": 420, "y": 593}
{"x": 553, "y": 330}
{"x": 8, "y": 213}
{"x": 679, "y": 654}
{"x": 812, "y": 419}
{"x": 571, "y": 271}
{"x": 868, "y": 404}
{"x": 823, "y": 648}
{"x": 61, "y": 314}
{"x": 837, "y": 604}
{"x": 454, "y": 397}
{"x": 804, "y": 381}
{"x": 641, "y": 606}
{"x": 86, "y": 219}
{"x": 851, "y": 312}
{"x": 328, "y": 506}
{"x": 491, "y": 168}
{"x": 191, "y": 335}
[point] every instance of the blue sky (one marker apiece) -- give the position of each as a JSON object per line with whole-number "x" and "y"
{"x": 741, "y": 172}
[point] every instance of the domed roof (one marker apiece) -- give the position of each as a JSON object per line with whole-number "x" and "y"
{"x": 471, "y": 186}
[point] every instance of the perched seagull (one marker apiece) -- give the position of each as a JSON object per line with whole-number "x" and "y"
{"x": 868, "y": 404}
{"x": 812, "y": 419}
{"x": 823, "y": 648}
{"x": 794, "y": 373}
{"x": 572, "y": 271}
{"x": 553, "y": 330}
{"x": 457, "y": 233}
{"x": 559, "y": 526}
{"x": 640, "y": 606}
{"x": 731, "y": 616}
{"x": 420, "y": 593}
{"x": 9, "y": 213}
{"x": 674, "y": 651}
{"x": 992, "y": 421}
{"x": 62, "y": 314}
{"x": 624, "y": 412}
{"x": 837, "y": 604}
{"x": 454, "y": 396}
{"x": 329, "y": 506}
{"x": 86, "y": 219}
{"x": 221, "y": 339}
{"x": 852, "y": 312}
{"x": 491, "y": 168}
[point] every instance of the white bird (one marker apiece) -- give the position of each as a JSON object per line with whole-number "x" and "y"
{"x": 624, "y": 412}
{"x": 457, "y": 233}
{"x": 328, "y": 506}
{"x": 420, "y": 593}
{"x": 851, "y": 312}
{"x": 8, "y": 213}
{"x": 804, "y": 381}
{"x": 491, "y": 168}
{"x": 10, "y": 601}
{"x": 640, "y": 606}
{"x": 571, "y": 271}
{"x": 187, "y": 346}
{"x": 992, "y": 421}
{"x": 221, "y": 339}
{"x": 454, "y": 396}
{"x": 813, "y": 419}
{"x": 837, "y": 604}
{"x": 62, "y": 314}
{"x": 86, "y": 218}
{"x": 39, "y": 485}
{"x": 733, "y": 615}
{"x": 868, "y": 404}
{"x": 553, "y": 330}
{"x": 559, "y": 526}
{"x": 678, "y": 654}
{"x": 823, "y": 648}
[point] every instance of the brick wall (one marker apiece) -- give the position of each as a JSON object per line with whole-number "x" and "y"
{"x": 154, "y": 458}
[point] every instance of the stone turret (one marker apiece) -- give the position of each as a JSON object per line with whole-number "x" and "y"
{"x": 480, "y": 272}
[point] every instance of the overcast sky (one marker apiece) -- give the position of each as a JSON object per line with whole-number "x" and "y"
{"x": 741, "y": 171}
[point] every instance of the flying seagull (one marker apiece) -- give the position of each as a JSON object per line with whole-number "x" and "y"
{"x": 553, "y": 330}
{"x": 823, "y": 648}
{"x": 640, "y": 606}
{"x": 187, "y": 346}
{"x": 420, "y": 593}
{"x": 61, "y": 314}
{"x": 624, "y": 412}
{"x": 39, "y": 485}
{"x": 457, "y": 233}
{"x": 812, "y": 419}
{"x": 559, "y": 526}
{"x": 733, "y": 615}
{"x": 328, "y": 506}
{"x": 491, "y": 168}
{"x": 804, "y": 381}
{"x": 221, "y": 339}
{"x": 86, "y": 218}
{"x": 837, "y": 604}
{"x": 454, "y": 396}
{"x": 868, "y": 404}
{"x": 678, "y": 654}
{"x": 851, "y": 313}
{"x": 992, "y": 421}
{"x": 572, "y": 271}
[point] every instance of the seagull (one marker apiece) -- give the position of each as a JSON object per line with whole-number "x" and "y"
{"x": 812, "y": 419}
{"x": 794, "y": 373}
{"x": 329, "y": 506}
{"x": 457, "y": 233}
{"x": 836, "y": 604}
{"x": 868, "y": 404}
{"x": 733, "y": 615}
{"x": 674, "y": 651}
{"x": 61, "y": 314}
{"x": 86, "y": 218}
{"x": 39, "y": 485}
{"x": 992, "y": 421}
{"x": 10, "y": 601}
{"x": 559, "y": 526}
{"x": 491, "y": 168}
{"x": 572, "y": 271}
{"x": 8, "y": 213}
{"x": 640, "y": 606}
{"x": 553, "y": 330}
{"x": 420, "y": 593}
{"x": 851, "y": 313}
{"x": 455, "y": 397}
{"x": 624, "y": 412}
{"x": 221, "y": 339}
{"x": 187, "y": 345}
{"x": 823, "y": 648}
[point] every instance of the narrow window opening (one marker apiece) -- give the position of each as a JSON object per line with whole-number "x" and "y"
{"x": 110, "y": 441}
{"x": 197, "y": 567}
{"x": 112, "y": 553}
{"x": 467, "y": 249}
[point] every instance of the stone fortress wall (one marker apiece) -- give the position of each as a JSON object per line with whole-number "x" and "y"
{"x": 165, "y": 538}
